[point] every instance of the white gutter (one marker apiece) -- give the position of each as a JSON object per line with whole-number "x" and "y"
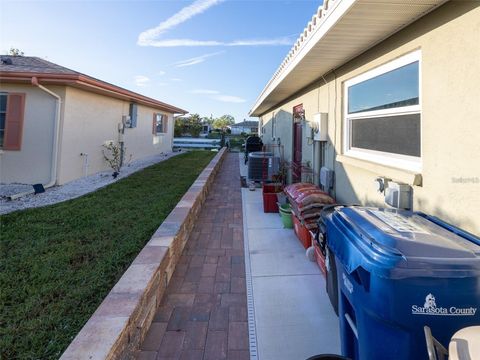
{"x": 327, "y": 32}
{"x": 54, "y": 160}
{"x": 56, "y": 130}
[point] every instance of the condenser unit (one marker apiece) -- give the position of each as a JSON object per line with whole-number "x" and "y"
{"x": 262, "y": 166}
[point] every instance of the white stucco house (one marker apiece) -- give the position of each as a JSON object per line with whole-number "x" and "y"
{"x": 54, "y": 121}
{"x": 246, "y": 127}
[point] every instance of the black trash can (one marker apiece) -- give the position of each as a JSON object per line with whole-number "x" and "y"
{"x": 331, "y": 267}
{"x": 328, "y": 357}
{"x": 331, "y": 279}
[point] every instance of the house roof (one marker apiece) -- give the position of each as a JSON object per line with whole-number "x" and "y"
{"x": 29, "y": 69}
{"x": 339, "y": 31}
{"x": 245, "y": 123}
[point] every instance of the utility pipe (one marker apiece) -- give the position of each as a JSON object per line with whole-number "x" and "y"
{"x": 318, "y": 162}
{"x": 56, "y": 138}
{"x": 85, "y": 163}
{"x": 54, "y": 160}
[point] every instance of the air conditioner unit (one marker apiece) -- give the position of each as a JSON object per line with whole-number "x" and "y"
{"x": 262, "y": 166}
{"x": 320, "y": 127}
{"x": 398, "y": 195}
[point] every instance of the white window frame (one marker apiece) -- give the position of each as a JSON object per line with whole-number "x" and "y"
{"x": 411, "y": 163}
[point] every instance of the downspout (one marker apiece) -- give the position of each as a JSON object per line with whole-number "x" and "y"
{"x": 56, "y": 130}
{"x": 53, "y": 170}
{"x": 317, "y": 163}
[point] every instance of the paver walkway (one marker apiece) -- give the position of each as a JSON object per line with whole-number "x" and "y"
{"x": 203, "y": 315}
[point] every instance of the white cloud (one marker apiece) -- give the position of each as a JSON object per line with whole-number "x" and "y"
{"x": 204, "y": 92}
{"x": 229, "y": 99}
{"x": 197, "y": 7}
{"x": 176, "y": 79}
{"x": 216, "y": 95}
{"x": 189, "y": 42}
{"x": 260, "y": 42}
{"x": 151, "y": 36}
{"x": 161, "y": 73}
{"x": 196, "y": 60}
{"x": 183, "y": 42}
{"x": 141, "y": 80}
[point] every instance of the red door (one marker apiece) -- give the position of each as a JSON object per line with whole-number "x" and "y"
{"x": 297, "y": 152}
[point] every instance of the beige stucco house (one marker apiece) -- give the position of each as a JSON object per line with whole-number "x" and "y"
{"x": 54, "y": 121}
{"x": 392, "y": 89}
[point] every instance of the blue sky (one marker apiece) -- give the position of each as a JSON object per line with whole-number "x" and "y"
{"x": 206, "y": 56}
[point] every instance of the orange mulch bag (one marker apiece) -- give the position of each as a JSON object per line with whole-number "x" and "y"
{"x": 317, "y": 199}
{"x": 296, "y": 190}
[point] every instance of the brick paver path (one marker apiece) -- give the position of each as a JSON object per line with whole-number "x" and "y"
{"x": 203, "y": 314}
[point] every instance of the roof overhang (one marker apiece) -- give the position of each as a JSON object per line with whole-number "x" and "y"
{"x": 338, "y": 32}
{"x": 89, "y": 84}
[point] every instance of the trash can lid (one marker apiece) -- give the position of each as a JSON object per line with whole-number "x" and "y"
{"x": 398, "y": 243}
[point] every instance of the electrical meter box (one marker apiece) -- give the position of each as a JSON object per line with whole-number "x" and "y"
{"x": 326, "y": 178}
{"x": 320, "y": 127}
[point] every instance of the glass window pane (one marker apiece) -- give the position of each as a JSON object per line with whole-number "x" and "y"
{"x": 396, "y": 88}
{"x": 159, "y": 127}
{"x": 3, "y": 103}
{"x": 2, "y": 121}
{"x": 391, "y": 134}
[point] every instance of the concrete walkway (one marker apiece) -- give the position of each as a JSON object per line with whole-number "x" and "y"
{"x": 203, "y": 315}
{"x": 292, "y": 315}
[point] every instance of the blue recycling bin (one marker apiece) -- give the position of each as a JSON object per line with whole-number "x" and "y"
{"x": 398, "y": 271}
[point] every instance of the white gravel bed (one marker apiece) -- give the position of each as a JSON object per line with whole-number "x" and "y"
{"x": 73, "y": 188}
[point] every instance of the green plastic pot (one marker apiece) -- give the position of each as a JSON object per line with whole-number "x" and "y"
{"x": 286, "y": 215}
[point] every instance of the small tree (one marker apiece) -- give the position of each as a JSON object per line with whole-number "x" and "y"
{"x": 178, "y": 127}
{"x": 191, "y": 125}
{"x": 15, "y": 52}
{"x": 223, "y": 122}
{"x": 112, "y": 154}
{"x": 194, "y": 124}
{"x": 208, "y": 120}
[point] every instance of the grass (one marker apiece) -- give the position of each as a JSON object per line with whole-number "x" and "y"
{"x": 57, "y": 263}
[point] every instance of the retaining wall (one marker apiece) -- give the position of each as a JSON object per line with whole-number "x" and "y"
{"x": 120, "y": 323}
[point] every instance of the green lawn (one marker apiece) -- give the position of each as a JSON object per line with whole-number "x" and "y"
{"x": 57, "y": 263}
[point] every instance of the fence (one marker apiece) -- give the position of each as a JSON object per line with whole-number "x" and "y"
{"x": 196, "y": 143}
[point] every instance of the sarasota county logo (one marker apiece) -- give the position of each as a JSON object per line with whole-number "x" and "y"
{"x": 430, "y": 308}
{"x": 430, "y": 302}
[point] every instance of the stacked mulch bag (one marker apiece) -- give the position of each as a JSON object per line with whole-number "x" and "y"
{"x": 307, "y": 202}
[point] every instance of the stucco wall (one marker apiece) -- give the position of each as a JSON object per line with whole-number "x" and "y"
{"x": 91, "y": 120}
{"x": 448, "y": 39}
{"x": 31, "y": 164}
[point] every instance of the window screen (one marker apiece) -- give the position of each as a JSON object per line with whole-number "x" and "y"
{"x": 391, "y": 134}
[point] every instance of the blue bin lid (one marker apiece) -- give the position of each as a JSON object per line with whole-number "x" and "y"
{"x": 397, "y": 244}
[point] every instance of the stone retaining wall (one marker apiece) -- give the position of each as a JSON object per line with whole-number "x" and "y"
{"x": 118, "y": 326}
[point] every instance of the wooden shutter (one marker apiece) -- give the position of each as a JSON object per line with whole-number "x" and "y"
{"x": 154, "y": 124}
{"x": 14, "y": 122}
{"x": 165, "y": 123}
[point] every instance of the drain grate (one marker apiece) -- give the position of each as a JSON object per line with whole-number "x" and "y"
{"x": 252, "y": 332}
